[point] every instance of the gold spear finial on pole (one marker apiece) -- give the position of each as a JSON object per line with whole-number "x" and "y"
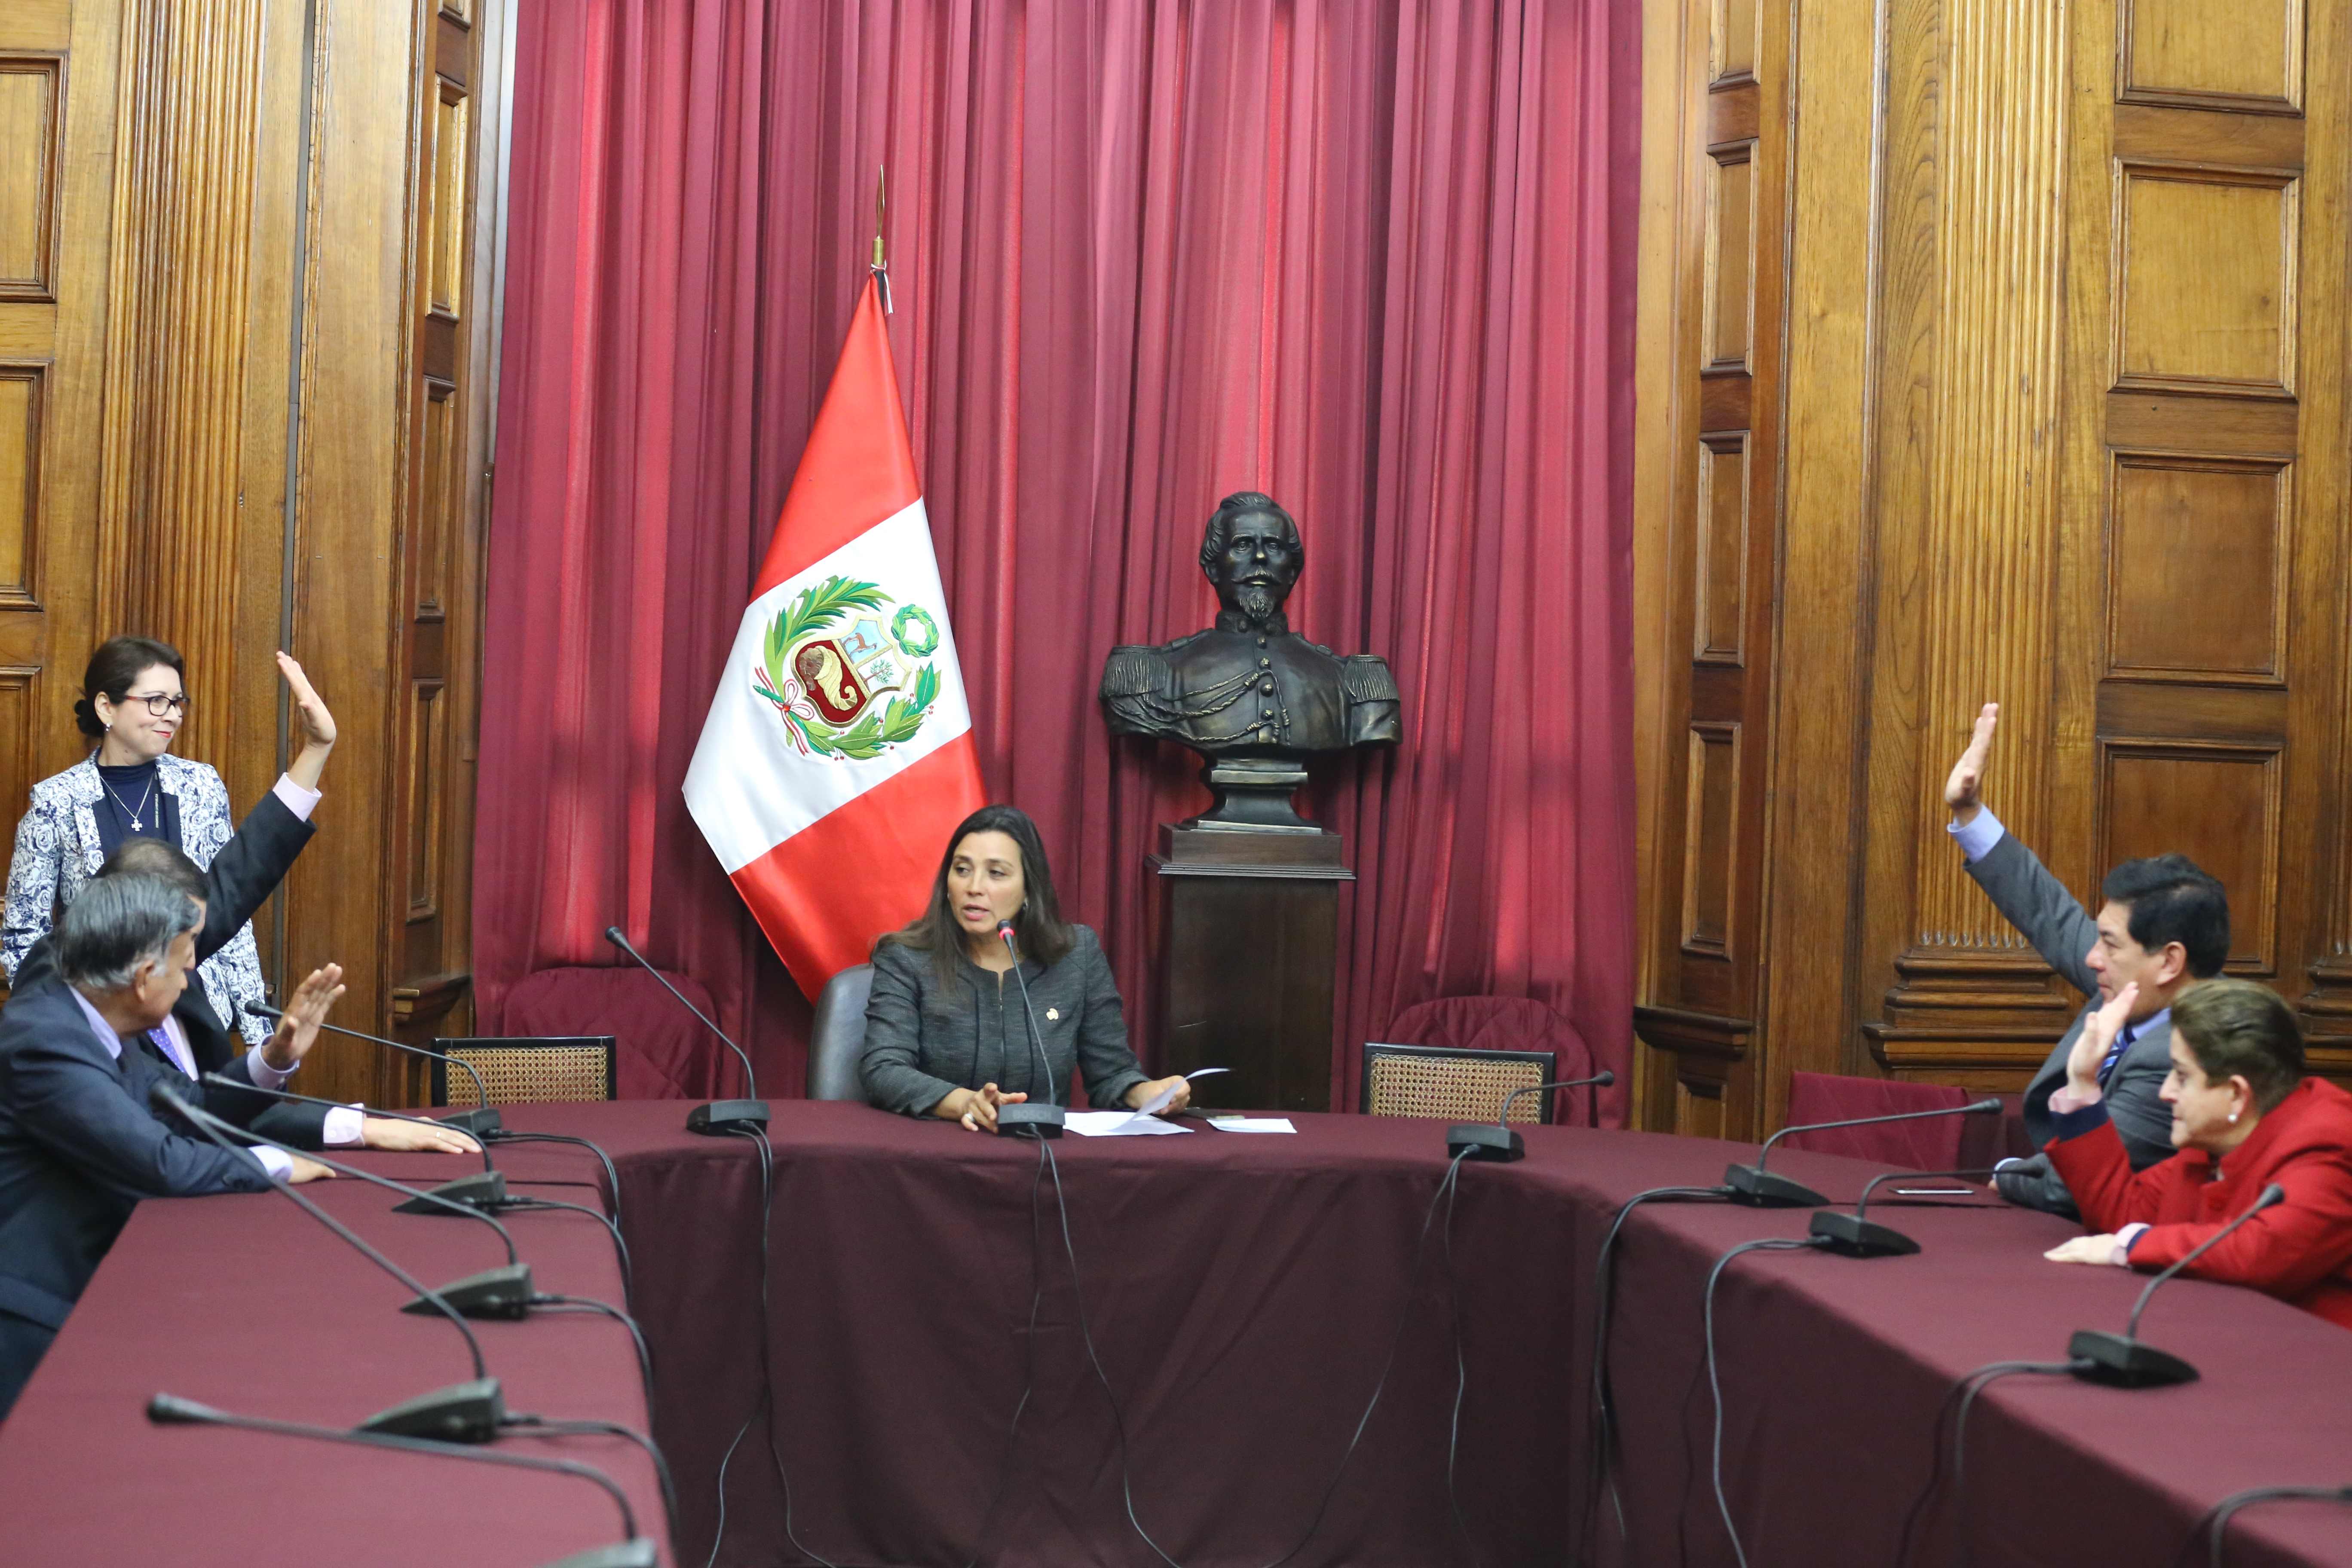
{"x": 880, "y": 265}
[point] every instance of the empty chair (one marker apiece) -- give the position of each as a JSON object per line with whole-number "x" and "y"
{"x": 522, "y": 1071}
{"x": 1456, "y": 1057}
{"x": 662, "y": 1053}
{"x": 837, "y": 1037}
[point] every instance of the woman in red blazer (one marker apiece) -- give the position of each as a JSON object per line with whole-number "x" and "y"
{"x": 2243, "y": 1116}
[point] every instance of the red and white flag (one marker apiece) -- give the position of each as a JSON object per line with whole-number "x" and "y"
{"x": 838, "y": 754}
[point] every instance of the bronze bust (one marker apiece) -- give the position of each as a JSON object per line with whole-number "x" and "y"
{"x": 1251, "y": 695}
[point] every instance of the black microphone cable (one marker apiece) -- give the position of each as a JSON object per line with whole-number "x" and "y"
{"x": 611, "y": 1172}
{"x": 620, "y": 1245}
{"x": 1453, "y": 1186}
{"x": 2215, "y": 1521}
{"x": 1963, "y": 1393}
{"x": 1029, "y": 1359}
{"x": 767, "y": 1400}
{"x": 540, "y": 1426}
{"x": 1714, "y": 1383}
{"x": 1601, "y": 1471}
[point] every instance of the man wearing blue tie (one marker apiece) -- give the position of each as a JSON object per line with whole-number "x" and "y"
{"x": 2165, "y": 926}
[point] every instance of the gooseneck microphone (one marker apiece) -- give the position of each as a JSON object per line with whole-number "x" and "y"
{"x": 1856, "y": 1235}
{"x": 483, "y": 1118}
{"x": 1760, "y": 1188}
{"x": 463, "y": 1412}
{"x": 720, "y": 1115}
{"x": 1480, "y": 1142}
{"x": 634, "y": 1551}
{"x": 2122, "y": 1361}
{"x": 1028, "y": 1119}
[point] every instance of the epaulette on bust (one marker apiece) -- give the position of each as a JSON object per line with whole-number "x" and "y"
{"x": 1134, "y": 671}
{"x": 1366, "y": 678}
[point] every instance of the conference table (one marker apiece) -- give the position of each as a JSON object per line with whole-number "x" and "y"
{"x": 1238, "y": 1299}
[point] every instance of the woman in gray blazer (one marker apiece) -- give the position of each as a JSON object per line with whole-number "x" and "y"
{"x": 947, "y": 1031}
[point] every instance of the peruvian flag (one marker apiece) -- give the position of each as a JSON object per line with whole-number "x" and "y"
{"x": 838, "y": 754}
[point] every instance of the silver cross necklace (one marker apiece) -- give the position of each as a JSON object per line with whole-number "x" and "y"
{"x": 136, "y": 825}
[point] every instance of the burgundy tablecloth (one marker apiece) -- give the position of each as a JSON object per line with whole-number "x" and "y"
{"x": 1243, "y": 1291}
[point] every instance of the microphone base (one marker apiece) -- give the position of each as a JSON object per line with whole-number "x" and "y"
{"x": 2122, "y": 1363}
{"x": 501, "y": 1293}
{"x": 1760, "y": 1188}
{"x": 1852, "y": 1236}
{"x": 637, "y": 1551}
{"x": 483, "y": 1190}
{"x": 723, "y": 1116}
{"x": 1483, "y": 1141}
{"x": 467, "y": 1412}
{"x": 481, "y": 1122}
{"x": 1029, "y": 1121}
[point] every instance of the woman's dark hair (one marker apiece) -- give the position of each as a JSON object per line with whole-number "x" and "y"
{"x": 115, "y": 669}
{"x": 2236, "y": 1029}
{"x": 1038, "y": 927}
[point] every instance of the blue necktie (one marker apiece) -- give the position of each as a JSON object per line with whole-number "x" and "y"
{"x": 2115, "y": 1054}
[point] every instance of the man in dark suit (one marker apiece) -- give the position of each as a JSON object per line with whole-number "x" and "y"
{"x": 2164, "y": 926}
{"x": 80, "y": 1145}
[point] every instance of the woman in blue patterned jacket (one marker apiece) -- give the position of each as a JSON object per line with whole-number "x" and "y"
{"x": 134, "y": 699}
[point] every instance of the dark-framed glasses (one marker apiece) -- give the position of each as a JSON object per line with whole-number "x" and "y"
{"x": 160, "y": 703}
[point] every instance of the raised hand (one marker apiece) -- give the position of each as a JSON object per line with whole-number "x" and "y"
{"x": 317, "y": 724}
{"x": 1960, "y": 790}
{"x": 2091, "y": 1047}
{"x": 297, "y": 1030}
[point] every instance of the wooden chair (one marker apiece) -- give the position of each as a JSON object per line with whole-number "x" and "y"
{"x": 518, "y": 1071}
{"x": 1455, "y": 1085}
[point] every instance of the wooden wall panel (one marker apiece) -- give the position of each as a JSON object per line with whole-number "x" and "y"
{"x": 20, "y": 481}
{"x": 2062, "y": 425}
{"x": 2197, "y": 556}
{"x": 1722, "y": 525}
{"x": 32, "y": 143}
{"x": 1730, "y": 261}
{"x": 1710, "y": 842}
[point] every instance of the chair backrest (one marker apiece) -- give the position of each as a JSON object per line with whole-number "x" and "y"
{"x": 1504, "y": 1024}
{"x": 1929, "y": 1144}
{"x": 663, "y": 1052}
{"x": 1455, "y": 1085}
{"x": 837, "y": 1037}
{"x": 519, "y": 1070}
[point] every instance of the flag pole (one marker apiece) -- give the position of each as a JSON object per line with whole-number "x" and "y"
{"x": 880, "y": 266}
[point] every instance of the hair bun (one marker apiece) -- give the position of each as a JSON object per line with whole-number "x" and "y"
{"x": 86, "y": 718}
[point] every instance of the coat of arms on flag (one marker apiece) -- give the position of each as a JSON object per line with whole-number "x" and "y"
{"x": 825, "y": 681}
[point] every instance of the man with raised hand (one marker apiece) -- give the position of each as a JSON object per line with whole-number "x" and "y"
{"x": 80, "y": 1145}
{"x": 2164, "y": 926}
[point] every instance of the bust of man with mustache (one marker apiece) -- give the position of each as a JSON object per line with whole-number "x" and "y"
{"x": 1250, "y": 686}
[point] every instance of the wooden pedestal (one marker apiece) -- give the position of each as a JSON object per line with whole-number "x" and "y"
{"x": 1249, "y": 945}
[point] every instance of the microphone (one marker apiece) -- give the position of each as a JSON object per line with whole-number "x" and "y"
{"x": 634, "y": 1551}
{"x": 720, "y": 1115}
{"x": 501, "y": 1293}
{"x": 483, "y": 1118}
{"x": 462, "y": 1413}
{"x": 1480, "y": 1142}
{"x": 1028, "y": 1119}
{"x": 221, "y": 1080}
{"x": 2122, "y": 1361}
{"x": 1760, "y": 1188}
{"x": 1856, "y": 1236}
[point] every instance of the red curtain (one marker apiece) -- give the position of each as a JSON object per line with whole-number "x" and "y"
{"x": 1373, "y": 256}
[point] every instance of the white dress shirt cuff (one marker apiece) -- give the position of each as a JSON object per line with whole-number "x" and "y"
{"x": 276, "y": 1161}
{"x": 264, "y": 1076}
{"x": 2124, "y": 1239}
{"x": 342, "y": 1126}
{"x": 299, "y": 801}
{"x": 1976, "y": 836}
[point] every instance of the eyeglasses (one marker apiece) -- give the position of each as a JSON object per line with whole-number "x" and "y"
{"x": 160, "y": 703}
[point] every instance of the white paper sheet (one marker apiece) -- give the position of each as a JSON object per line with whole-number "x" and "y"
{"x": 1252, "y": 1124}
{"x": 1117, "y": 1124}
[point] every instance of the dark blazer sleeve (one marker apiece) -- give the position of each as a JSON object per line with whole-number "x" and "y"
{"x": 1105, "y": 1058}
{"x": 73, "y": 1101}
{"x": 247, "y": 871}
{"x": 891, "y": 1063}
{"x": 2041, "y": 907}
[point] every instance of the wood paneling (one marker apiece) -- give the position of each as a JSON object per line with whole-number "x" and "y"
{"x": 20, "y": 483}
{"x": 2244, "y": 54}
{"x": 1730, "y": 258}
{"x": 1722, "y": 525}
{"x": 2062, "y": 423}
{"x": 2206, "y": 295}
{"x": 2218, "y": 805}
{"x": 2196, "y": 554}
{"x": 32, "y": 139}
